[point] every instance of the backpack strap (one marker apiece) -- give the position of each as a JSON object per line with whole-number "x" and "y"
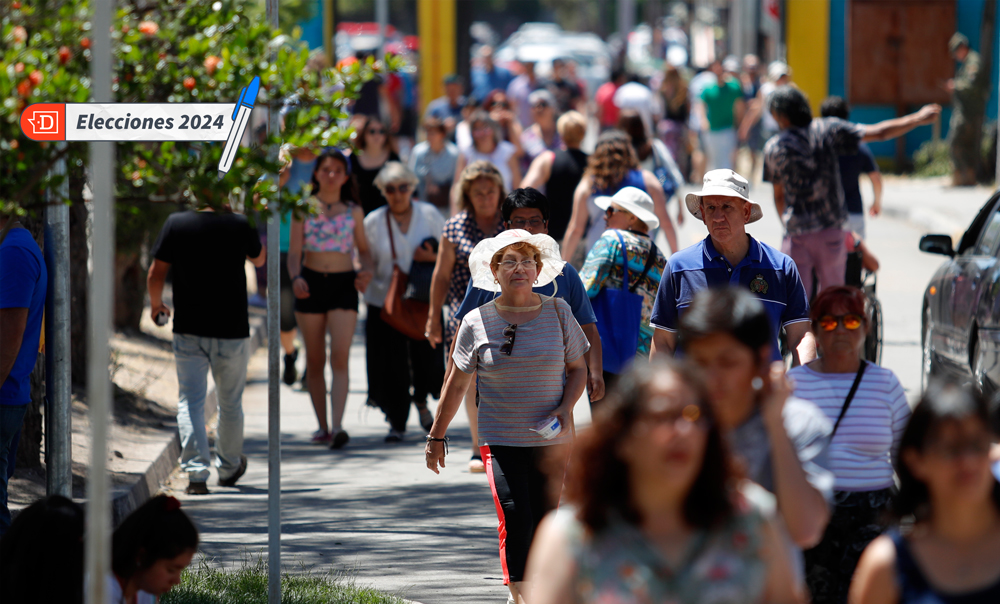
{"x": 650, "y": 259}
{"x": 624, "y": 260}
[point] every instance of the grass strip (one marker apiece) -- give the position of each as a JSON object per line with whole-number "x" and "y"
{"x": 248, "y": 585}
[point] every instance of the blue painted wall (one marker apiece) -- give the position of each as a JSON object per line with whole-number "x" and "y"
{"x": 312, "y": 30}
{"x": 968, "y": 16}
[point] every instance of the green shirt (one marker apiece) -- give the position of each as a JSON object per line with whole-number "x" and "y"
{"x": 719, "y": 101}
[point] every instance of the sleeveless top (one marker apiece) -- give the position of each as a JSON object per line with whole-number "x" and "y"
{"x": 567, "y": 170}
{"x": 597, "y": 226}
{"x": 915, "y": 589}
{"x": 371, "y": 198}
{"x": 724, "y": 565}
{"x": 323, "y": 234}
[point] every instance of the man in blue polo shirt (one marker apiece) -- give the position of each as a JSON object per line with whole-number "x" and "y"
{"x": 23, "y": 281}
{"x": 729, "y": 256}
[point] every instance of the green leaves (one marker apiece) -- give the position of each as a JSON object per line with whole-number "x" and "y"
{"x": 216, "y": 47}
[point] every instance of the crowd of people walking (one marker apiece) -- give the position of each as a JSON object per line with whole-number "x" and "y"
{"x": 503, "y": 266}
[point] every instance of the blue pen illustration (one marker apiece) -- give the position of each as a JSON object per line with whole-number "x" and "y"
{"x": 241, "y": 115}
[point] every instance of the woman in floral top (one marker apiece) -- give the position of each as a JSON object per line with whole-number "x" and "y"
{"x": 482, "y": 191}
{"x": 655, "y": 516}
{"x": 629, "y": 216}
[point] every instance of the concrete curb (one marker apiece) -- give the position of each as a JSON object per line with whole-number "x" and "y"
{"x": 160, "y": 468}
{"x": 928, "y": 220}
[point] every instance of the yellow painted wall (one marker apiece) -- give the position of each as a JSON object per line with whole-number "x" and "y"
{"x": 808, "y": 41}
{"x": 436, "y": 28}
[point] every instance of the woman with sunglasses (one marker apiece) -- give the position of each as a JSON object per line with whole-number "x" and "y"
{"x": 497, "y": 105}
{"x": 542, "y": 135}
{"x": 868, "y": 409}
{"x": 949, "y": 553}
{"x": 401, "y": 233}
{"x": 373, "y": 148}
{"x": 655, "y": 511}
{"x": 488, "y": 146}
{"x": 528, "y": 351}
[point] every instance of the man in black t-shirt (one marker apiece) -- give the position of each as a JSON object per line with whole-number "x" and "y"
{"x": 207, "y": 251}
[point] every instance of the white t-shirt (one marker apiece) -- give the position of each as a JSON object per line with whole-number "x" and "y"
{"x": 425, "y": 222}
{"x": 863, "y": 451}
{"x": 500, "y": 158}
{"x": 115, "y": 595}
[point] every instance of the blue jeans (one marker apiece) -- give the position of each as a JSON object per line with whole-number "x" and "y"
{"x": 11, "y": 417}
{"x": 227, "y": 358}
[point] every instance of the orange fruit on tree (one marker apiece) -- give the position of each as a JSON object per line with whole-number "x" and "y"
{"x": 189, "y": 83}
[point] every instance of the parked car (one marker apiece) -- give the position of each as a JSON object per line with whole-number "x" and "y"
{"x": 961, "y": 305}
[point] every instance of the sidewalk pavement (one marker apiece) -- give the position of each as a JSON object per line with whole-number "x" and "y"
{"x": 372, "y": 510}
{"x": 931, "y": 204}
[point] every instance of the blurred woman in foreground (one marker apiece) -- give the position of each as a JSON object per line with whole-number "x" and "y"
{"x": 655, "y": 514}
{"x": 949, "y": 555}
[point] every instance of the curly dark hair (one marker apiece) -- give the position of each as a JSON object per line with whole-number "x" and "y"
{"x": 611, "y": 160}
{"x": 941, "y": 403}
{"x": 598, "y": 481}
{"x": 790, "y": 102}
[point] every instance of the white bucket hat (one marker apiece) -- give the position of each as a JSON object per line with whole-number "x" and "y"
{"x": 479, "y": 259}
{"x": 727, "y": 184}
{"x": 633, "y": 200}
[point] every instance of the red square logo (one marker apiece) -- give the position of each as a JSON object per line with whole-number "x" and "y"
{"x": 44, "y": 121}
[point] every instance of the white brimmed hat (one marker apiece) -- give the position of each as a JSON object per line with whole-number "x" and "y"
{"x": 633, "y": 200}
{"x": 479, "y": 259}
{"x": 727, "y": 184}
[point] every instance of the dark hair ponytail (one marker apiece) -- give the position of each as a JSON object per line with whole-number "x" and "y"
{"x": 156, "y": 531}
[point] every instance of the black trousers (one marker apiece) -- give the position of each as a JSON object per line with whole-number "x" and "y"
{"x": 523, "y": 495}
{"x": 400, "y": 369}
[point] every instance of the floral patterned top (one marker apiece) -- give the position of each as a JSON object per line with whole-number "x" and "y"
{"x": 462, "y": 230}
{"x": 603, "y": 268}
{"x": 725, "y": 566}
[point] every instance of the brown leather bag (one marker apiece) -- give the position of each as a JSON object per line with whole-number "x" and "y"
{"x": 408, "y": 317}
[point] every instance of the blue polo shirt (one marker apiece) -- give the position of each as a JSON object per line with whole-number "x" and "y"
{"x": 768, "y": 273}
{"x": 567, "y": 286}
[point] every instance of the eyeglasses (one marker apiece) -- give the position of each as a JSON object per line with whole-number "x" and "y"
{"x": 509, "y": 332}
{"x": 521, "y": 223}
{"x": 540, "y": 105}
{"x": 953, "y": 451}
{"x": 680, "y": 419}
{"x": 501, "y": 105}
{"x": 849, "y": 321}
{"x": 391, "y": 189}
{"x": 612, "y": 211}
{"x": 510, "y": 265}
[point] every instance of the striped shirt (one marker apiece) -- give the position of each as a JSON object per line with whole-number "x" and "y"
{"x": 863, "y": 451}
{"x": 518, "y": 391}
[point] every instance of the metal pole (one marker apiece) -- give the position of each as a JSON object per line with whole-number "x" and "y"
{"x": 102, "y": 179}
{"x": 626, "y": 19}
{"x": 58, "y": 405}
{"x": 382, "y": 18}
{"x": 273, "y": 364}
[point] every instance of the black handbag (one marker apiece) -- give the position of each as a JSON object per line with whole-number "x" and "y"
{"x": 421, "y": 274}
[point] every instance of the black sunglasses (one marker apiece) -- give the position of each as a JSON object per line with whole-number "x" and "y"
{"x": 391, "y": 189}
{"x": 539, "y": 105}
{"x": 509, "y": 332}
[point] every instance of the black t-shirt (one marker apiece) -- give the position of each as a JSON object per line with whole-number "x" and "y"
{"x": 371, "y": 198}
{"x": 567, "y": 170}
{"x": 207, "y": 252}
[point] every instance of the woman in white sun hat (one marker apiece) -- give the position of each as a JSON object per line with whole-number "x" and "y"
{"x": 528, "y": 351}
{"x": 625, "y": 257}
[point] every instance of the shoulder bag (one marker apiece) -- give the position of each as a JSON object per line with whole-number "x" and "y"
{"x": 619, "y": 315}
{"x": 663, "y": 173}
{"x": 408, "y": 317}
{"x": 850, "y": 396}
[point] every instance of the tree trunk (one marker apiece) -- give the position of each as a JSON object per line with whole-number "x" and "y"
{"x": 79, "y": 282}
{"x": 29, "y": 449}
{"x": 130, "y": 290}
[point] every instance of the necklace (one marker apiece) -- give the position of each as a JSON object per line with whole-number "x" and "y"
{"x": 519, "y": 308}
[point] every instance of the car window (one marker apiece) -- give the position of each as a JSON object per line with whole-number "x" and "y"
{"x": 991, "y": 235}
{"x": 971, "y": 236}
